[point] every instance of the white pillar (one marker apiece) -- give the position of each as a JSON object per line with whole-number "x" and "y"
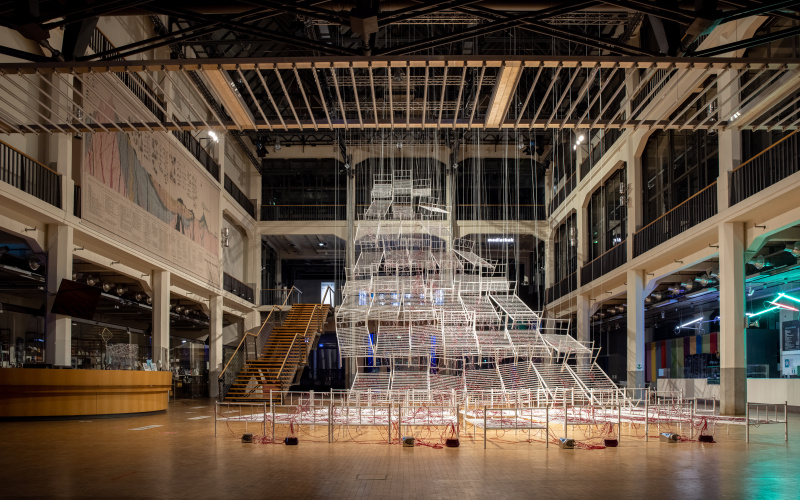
{"x": 635, "y": 328}
{"x": 58, "y": 329}
{"x": 252, "y": 320}
{"x": 214, "y": 344}
{"x": 582, "y": 325}
{"x": 634, "y": 193}
{"x": 161, "y": 319}
{"x": 253, "y": 265}
{"x": 733, "y": 381}
{"x": 730, "y": 139}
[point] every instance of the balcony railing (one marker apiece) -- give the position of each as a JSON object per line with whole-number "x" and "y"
{"x": 501, "y": 212}
{"x": 100, "y": 44}
{"x": 697, "y": 208}
{"x": 610, "y": 137}
{"x": 280, "y": 296}
{"x": 303, "y": 212}
{"x": 76, "y": 201}
{"x": 563, "y": 287}
{"x": 240, "y": 197}
{"x": 27, "y": 174}
{"x": 562, "y": 193}
{"x": 613, "y": 258}
{"x": 236, "y": 287}
{"x": 198, "y": 151}
{"x": 768, "y": 167}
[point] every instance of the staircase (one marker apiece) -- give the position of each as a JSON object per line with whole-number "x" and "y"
{"x": 284, "y": 353}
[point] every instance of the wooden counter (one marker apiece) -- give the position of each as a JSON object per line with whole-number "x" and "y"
{"x": 33, "y": 392}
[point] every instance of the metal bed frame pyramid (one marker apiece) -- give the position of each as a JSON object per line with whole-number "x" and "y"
{"x": 422, "y": 312}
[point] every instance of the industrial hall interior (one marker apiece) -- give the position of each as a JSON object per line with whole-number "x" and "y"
{"x": 399, "y": 248}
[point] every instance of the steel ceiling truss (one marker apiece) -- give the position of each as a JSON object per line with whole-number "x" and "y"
{"x": 443, "y": 22}
{"x": 396, "y": 93}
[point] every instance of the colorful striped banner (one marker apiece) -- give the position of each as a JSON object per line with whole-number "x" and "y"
{"x": 672, "y": 353}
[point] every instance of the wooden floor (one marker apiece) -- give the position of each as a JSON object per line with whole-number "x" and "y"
{"x": 175, "y": 455}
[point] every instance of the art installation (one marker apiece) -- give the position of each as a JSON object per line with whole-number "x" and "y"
{"x": 425, "y": 313}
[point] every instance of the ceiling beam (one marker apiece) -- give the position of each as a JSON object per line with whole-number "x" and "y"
{"x": 502, "y": 93}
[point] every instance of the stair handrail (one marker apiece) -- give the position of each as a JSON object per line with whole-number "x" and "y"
{"x": 256, "y": 335}
{"x": 294, "y": 339}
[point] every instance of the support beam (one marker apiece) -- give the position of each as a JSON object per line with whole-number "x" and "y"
{"x": 733, "y": 381}
{"x": 160, "y": 344}
{"x": 635, "y": 328}
{"x": 58, "y": 330}
{"x": 583, "y": 324}
{"x": 503, "y": 92}
{"x": 214, "y": 344}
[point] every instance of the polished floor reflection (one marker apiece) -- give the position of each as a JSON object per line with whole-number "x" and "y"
{"x": 175, "y": 455}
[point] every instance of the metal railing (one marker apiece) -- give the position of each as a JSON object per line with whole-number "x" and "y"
{"x": 27, "y": 174}
{"x": 610, "y": 137}
{"x": 562, "y": 193}
{"x": 76, "y": 201}
{"x": 100, "y": 44}
{"x": 197, "y": 150}
{"x": 236, "y": 287}
{"x": 501, "y": 212}
{"x": 768, "y": 167}
{"x": 239, "y": 197}
{"x": 242, "y": 354}
{"x": 611, "y": 259}
{"x": 280, "y": 296}
{"x": 563, "y": 287}
{"x": 303, "y": 212}
{"x": 697, "y": 208}
{"x": 299, "y": 350}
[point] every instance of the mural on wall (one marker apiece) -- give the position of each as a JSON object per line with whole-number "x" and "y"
{"x": 145, "y": 188}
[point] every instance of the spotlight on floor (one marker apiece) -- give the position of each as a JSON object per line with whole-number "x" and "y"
{"x": 669, "y": 437}
{"x": 566, "y": 443}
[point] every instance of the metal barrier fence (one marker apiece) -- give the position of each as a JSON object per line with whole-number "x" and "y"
{"x": 488, "y": 411}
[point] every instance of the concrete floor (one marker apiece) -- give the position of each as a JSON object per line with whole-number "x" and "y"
{"x": 181, "y": 458}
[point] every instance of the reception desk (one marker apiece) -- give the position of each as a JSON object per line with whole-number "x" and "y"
{"x": 31, "y": 392}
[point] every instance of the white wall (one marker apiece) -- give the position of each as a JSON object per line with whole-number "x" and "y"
{"x": 774, "y": 390}
{"x": 690, "y": 387}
